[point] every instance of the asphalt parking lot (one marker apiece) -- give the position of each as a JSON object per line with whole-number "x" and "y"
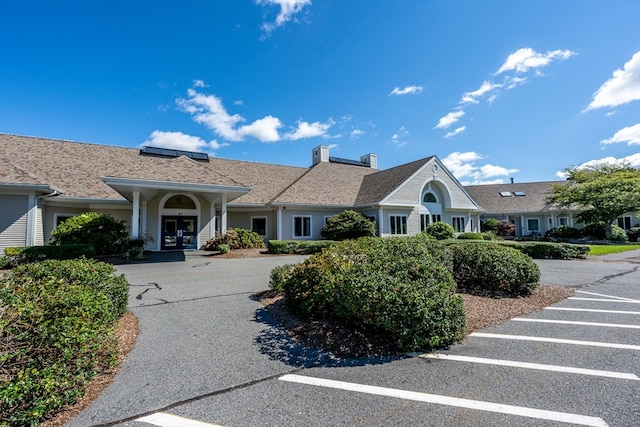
{"x": 209, "y": 355}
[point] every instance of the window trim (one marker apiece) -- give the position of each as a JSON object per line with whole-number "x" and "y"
{"x": 58, "y": 215}
{"x": 435, "y": 197}
{"x": 529, "y": 229}
{"x": 293, "y": 226}
{"x": 404, "y": 220}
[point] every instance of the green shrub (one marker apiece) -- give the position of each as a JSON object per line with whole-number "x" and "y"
{"x": 279, "y": 275}
{"x": 552, "y": 250}
{"x": 634, "y": 234}
{"x": 25, "y": 254}
{"x": 618, "y": 234}
{"x": 470, "y": 236}
{"x": 298, "y": 247}
{"x": 236, "y": 238}
{"x": 564, "y": 232}
{"x": 84, "y": 272}
{"x": 492, "y": 267}
{"x": 106, "y": 234}
{"x": 348, "y": 225}
{"x": 489, "y": 235}
{"x": 502, "y": 227}
{"x": 224, "y": 248}
{"x": 440, "y": 231}
{"x": 57, "y": 333}
{"x": 393, "y": 285}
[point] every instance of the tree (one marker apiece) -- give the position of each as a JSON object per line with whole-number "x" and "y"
{"x": 602, "y": 192}
{"x": 348, "y": 225}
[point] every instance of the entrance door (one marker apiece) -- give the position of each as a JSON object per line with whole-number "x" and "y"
{"x": 179, "y": 232}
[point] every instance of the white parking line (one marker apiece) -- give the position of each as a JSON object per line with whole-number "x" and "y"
{"x": 573, "y": 322}
{"x": 555, "y": 340}
{"x": 605, "y": 300}
{"x": 537, "y": 366}
{"x": 590, "y": 310}
{"x": 608, "y": 296}
{"x": 169, "y": 420}
{"x": 449, "y": 401}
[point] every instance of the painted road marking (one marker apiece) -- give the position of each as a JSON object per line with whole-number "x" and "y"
{"x": 590, "y": 310}
{"x": 449, "y": 401}
{"x": 573, "y": 322}
{"x": 525, "y": 365}
{"x": 605, "y": 300}
{"x": 555, "y": 340}
{"x": 608, "y": 296}
{"x": 163, "y": 419}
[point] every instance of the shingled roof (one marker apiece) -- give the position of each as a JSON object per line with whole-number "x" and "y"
{"x": 532, "y": 197}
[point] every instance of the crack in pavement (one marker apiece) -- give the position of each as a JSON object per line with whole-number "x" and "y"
{"x": 607, "y": 278}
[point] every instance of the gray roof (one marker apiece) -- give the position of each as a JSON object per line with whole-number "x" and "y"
{"x": 533, "y": 200}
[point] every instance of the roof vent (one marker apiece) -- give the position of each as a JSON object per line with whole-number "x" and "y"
{"x": 169, "y": 152}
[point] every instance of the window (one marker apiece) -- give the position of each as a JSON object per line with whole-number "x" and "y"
{"x": 60, "y": 218}
{"x": 533, "y": 225}
{"x": 301, "y": 226}
{"x": 424, "y": 221}
{"x": 398, "y": 224}
{"x": 458, "y": 223}
{"x": 624, "y": 222}
{"x": 436, "y": 218}
{"x": 179, "y": 202}
{"x": 259, "y": 225}
{"x": 429, "y": 198}
{"x": 564, "y": 221}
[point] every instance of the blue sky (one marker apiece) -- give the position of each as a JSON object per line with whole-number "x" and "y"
{"x": 496, "y": 89}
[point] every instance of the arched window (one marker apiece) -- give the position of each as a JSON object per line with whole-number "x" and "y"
{"x": 179, "y": 202}
{"x": 429, "y": 198}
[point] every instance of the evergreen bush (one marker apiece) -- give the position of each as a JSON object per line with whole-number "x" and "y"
{"x": 106, "y": 234}
{"x": 440, "y": 231}
{"x": 348, "y": 225}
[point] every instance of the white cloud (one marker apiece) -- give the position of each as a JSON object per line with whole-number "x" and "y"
{"x": 632, "y": 160}
{"x": 455, "y": 132}
{"x": 356, "y": 133}
{"x": 449, "y": 119}
{"x": 524, "y": 59}
{"x": 398, "y": 138}
{"x": 622, "y": 88}
{"x": 199, "y": 83}
{"x": 265, "y": 129}
{"x": 407, "y": 90}
{"x": 209, "y": 111}
{"x": 472, "y": 97}
{"x": 309, "y": 130}
{"x": 288, "y": 8}
{"x": 463, "y": 165}
{"x": 181, "y": 141}
{"x": 629, "y": 135}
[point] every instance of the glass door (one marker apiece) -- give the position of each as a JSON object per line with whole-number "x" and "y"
{"x": 178, "y": 232}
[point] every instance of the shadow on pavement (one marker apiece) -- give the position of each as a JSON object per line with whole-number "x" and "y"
{"x": 277, "y": 344}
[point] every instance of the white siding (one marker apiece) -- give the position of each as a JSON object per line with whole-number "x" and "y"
{"x": 13, "y": 220}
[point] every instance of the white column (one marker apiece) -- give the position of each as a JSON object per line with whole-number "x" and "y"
{"x": 143, "y": 218}
{"x": 135, "y": 216}
{"x": 32, "y": 220}
{"x": 223, "y": 215}
{"x": 279, "y": 220}
{"x": 522, "y": 228}
{"x": 212, "y": 221}
{"x": 380, "y": 221}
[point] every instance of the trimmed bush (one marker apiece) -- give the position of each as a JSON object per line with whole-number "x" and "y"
{"x": 279, "y": 275}
{"x": 393, "y": 285}
{"x": 25, "y": 254}
{"x": 236, "y": 238}
{"x": 298, "y": 247}
{"x": 470, "y": 236}
{"x": 348, "y": 225}
{"x": 106, "y": 234}
{"x": 552, "y": 250}
{"x": 564, "y": 232}
{"x": 57, "y": 333}
{"x": 440, "y": 231}
{"x": 502, "y": 227}
{"x": 618, "y": 234}
{"x": 492, "y": 267}
{"x": 634, "y": 234}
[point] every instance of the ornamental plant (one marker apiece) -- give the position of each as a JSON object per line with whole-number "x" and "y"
{"x": 106, "y": 234}
{"x": 348, "y": 225}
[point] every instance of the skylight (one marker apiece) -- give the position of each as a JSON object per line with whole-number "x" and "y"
{"x": 519, "y": 193}
{"x": 169, "y": 152}
{"x": 505, "y": 193}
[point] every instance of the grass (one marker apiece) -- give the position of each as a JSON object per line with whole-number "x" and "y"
{"x": 610, "y": 249}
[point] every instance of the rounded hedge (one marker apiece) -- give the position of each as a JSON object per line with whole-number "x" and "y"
{"x": 348, "y": 225}
{"x": 106, "y": 234}
{"x": 492, "y": 267}
{"x": 394, "y": 285}
{"x": 440, "y": 230}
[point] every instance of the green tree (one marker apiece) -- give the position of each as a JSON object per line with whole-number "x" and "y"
{"x": 602, "y": 192}
{"x": 348, "y": 225}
